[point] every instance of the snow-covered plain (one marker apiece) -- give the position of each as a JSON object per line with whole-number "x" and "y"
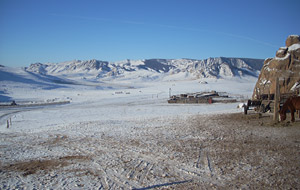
{"x": 88, "y": 142}
{"x": 98, "y": 102}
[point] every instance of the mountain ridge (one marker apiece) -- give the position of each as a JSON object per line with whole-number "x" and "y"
{"x": 219, "y": 67}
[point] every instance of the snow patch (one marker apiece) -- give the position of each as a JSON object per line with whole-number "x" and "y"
{"x": 283, "y": 58}
{"x": 295, "y": 86}
{"x": 294, "y": 47}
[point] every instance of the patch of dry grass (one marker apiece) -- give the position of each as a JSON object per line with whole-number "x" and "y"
{"x": 33, "y": 166}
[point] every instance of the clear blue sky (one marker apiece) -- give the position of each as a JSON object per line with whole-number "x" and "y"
{"x": 62, "y": 30}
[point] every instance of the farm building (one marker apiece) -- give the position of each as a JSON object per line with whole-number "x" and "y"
{"x": 201, "y": 98}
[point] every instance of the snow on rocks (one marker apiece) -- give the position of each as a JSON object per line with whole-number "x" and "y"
{"x": 284, "y": 65}
{"x": 283, "y": 57}
{"x": 294, "y": 47}
{"x": 292, "y": 39}
{"x": 281, "y": 52}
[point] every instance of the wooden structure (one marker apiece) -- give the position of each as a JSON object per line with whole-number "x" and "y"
{"x": 200, "y": 98}
{"x": 276, "y": 101}
{"x": 269, "y": 102}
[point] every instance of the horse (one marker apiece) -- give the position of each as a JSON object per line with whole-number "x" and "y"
{"x": 292, "y": 104}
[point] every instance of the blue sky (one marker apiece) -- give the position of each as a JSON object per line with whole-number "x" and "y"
{"x": 62, "y": 30}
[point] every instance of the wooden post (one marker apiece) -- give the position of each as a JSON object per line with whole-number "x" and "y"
{"x": 277, "y": 100}
{"x": 256, "y": 93}
{"x": 245, "y": 109}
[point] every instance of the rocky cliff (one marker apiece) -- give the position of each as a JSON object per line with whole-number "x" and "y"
{"x": 285, "y": 66}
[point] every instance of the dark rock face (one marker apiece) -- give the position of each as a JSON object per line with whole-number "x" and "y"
{"x": 285, "y": 66}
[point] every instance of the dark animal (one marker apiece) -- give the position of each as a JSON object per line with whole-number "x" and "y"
{"x": 13, "y": 103}
{"x": 292, "y": 104}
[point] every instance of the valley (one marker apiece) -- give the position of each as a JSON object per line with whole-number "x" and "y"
{"x": 123, "y": 134}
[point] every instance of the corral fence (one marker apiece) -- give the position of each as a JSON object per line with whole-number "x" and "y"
{"x": 272, "y": 101}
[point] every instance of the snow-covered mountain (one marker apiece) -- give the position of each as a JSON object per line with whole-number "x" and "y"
{"x": 40, "y": 81}
{"x": 152, "y": 69}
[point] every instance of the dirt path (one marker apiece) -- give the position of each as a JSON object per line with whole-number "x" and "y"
{"x": 230, "y": 151}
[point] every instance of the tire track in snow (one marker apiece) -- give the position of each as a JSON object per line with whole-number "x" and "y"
{"x": 139, "y": 167}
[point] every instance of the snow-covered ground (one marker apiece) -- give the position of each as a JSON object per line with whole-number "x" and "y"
{"x": 86, "y": 142}
{"x": 106, "y": 101}
{"x": 119, "y": 102}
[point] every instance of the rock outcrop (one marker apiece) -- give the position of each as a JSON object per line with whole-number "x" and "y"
{"x": 285, "y": 66}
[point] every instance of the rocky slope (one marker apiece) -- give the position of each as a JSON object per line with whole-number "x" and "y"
{"x": 183, "y": 68}
{"x": 285, "y": 66}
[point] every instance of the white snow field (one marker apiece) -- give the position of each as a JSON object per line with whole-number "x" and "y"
{"x": 112, "y": 135}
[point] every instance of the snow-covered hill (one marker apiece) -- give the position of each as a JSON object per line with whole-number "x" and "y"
{"x": 151, "y": 69}
{"x": 40, "y": 81}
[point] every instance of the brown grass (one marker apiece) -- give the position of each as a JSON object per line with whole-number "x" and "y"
{"x": 34, "y": 166}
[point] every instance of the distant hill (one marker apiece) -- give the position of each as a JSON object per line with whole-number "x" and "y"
{"x": 152, "y": 69}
